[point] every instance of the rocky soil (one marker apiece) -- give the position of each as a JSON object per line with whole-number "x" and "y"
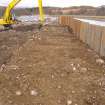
{"x": 49, "y": 66}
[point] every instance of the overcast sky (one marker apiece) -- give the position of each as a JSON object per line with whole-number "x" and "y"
{"x": 56, "y": 3}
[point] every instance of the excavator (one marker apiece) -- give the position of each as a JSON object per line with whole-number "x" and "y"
{"x": 7, "y": 20}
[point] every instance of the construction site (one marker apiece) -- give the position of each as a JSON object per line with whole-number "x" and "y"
{"x": 54, "y": 60}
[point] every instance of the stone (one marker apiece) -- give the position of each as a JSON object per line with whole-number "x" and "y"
{"x": 69, "y": 102}
{"x": 100, "y": 61}
{"x": 74, "y": 68}
{"x": 33, "y": 93}
{"x": 18, "y": 93}
{"x": 83, "y": 70}
{"x": 3, "y": 66}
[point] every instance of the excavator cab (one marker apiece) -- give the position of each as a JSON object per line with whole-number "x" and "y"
{"x": 8, "y": 23}
{"x": 7, "y": 20}
{"x": 12, "y": 20}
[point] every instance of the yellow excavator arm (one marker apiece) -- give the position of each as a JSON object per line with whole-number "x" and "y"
{"x": 7, "y": 18}
{"x": 41, "y": 10}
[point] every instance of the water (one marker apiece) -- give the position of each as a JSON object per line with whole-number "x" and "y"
{"x": 95, "y": 22}
{"x": 36, "y": 18}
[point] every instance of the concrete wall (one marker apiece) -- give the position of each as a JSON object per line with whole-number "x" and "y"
{"x": 92, "y": 35}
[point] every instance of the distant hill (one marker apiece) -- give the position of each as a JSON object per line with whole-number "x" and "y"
{"x": 102, "y": 6}
{"x": 80, "y": 10}
{"x": 75, "y": 10}
{"x": 101, "y": 10}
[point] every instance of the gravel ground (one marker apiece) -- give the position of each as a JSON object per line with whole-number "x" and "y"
{"x": 49, "y": 67}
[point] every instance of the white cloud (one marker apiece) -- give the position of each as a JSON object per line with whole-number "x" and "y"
{"x": 60, "y": 3}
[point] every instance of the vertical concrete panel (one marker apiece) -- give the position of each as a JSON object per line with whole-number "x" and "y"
{"x": 83, "y": 32}
{"x": 97, "y": 39}
{"x": 86, "y": 33}
{"x": 70, "y": 23}
{"x": 73, "y": 25}
{"x": 78, "y": 28}
{"x": 63, "y": 20}
{"x": 102, "y": 49}
{"x": 60, "y": 20}
{"x": 88, "y": 40}
{"x": 67, "y": 20}
{"x": 70, "y": 19}
{"x": 92, "y": 33}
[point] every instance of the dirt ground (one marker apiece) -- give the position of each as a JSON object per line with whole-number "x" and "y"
{"x": 48, "y": 67}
